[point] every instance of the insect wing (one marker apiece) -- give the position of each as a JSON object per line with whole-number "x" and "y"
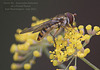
{"x": 38, "y": 27}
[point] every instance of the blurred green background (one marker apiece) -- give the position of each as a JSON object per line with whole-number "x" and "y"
{"x": 88, "y": 12}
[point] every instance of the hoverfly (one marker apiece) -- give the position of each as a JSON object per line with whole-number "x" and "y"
{"x": 58, "y": 21}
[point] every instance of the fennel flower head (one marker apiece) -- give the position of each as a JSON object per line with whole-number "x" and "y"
{"x": 68, "y": 44}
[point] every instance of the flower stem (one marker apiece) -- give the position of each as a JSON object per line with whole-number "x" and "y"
{"x": 90, "y": 64}
{"x": 75, "y": 61}
{"x": 69, "y": 63}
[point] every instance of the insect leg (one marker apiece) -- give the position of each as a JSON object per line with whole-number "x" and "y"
{"x": 53, "y": 38}
{"x": 64, "y": 27}
{"x": 56, "y": 32}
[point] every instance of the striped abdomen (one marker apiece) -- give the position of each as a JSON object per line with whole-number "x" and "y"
{"x": 45, "y": 31}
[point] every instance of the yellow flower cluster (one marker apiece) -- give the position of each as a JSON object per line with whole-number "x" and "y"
{"x": 28, "y": 49}
{"x": 72, "y": 43}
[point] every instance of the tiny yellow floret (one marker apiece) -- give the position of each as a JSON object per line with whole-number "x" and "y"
{"x": 27, "y": 66}
{"x": 55, "y": 63}
{"x": 74, "y": 23}
{"x": 30, "y": 41}
{"x": 50, "y": 39}
{"x": 98, "y": 33}
{"x": 87, "y": 50}
{"x": 88, "y": 27}
{"x": 34, "y": 18}
{"x": 71, "y": 68}
{"x": 26, "y": 46}
{"x": 15, "y": 56}
{"x": 13, "y": 48}
{"x": 81, "y": 27}
{"x": 80, "y": 54}
{"x": 36, "y": 53}
{"x": 18, "y": 31}
{"x": 79, "y": 46}
{"x": 60, "y": 37}
{"x": 20, "y": 46}
{"x": 87, "y": 36}
{"x": 13, "y": 66}
{"x": 32, "y": 61}
{"x": 51, "y": 56}
{"x": 96, "y": 28}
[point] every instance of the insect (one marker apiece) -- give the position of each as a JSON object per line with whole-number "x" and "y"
{"x": 58, "y": 21}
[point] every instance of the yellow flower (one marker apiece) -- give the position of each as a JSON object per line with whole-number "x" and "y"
{"x": 70, "y": 50}
{"x": 34, "y": 18}
{"x": 80, "y": 54}
{"x": 96, "y": 28}
{"x": 60, "y": 37}
{"x": 30, "y": 41}
{"x": 20, "y": 46}
{"x": 13, "y": 66}
{"x": 79, "y": 46}
{"x": 87, "y": 50}
{"x": 15, "y": 57}
{"x": 80, "y": 27}
{"x": 88, "y": 27}
{"x": 32, "y": 61}
{"x": 51, "y": 56}
{"x": 72, "y": 68}
{"x": 27, "y": 66}
{"x": 18, "y": 31}
{"x": 36, "y": 53}
{"x": 26, "y": 46}
{"x": 13, "y": 48}
{"x": 50, "y": 39}
{"x": 98, "y": 33}
{"x": 87, "y": 36}
{"x": 55, "y": 63}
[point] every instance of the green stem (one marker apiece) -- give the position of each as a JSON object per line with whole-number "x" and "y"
{"x": 46, "y": 51}
{"x": 90, "y": 64}
{"x": 69, "y": 63}
{"x": 75, "y": 61}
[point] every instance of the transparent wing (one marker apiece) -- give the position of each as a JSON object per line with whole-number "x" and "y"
{"x": 39, "y": 27}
